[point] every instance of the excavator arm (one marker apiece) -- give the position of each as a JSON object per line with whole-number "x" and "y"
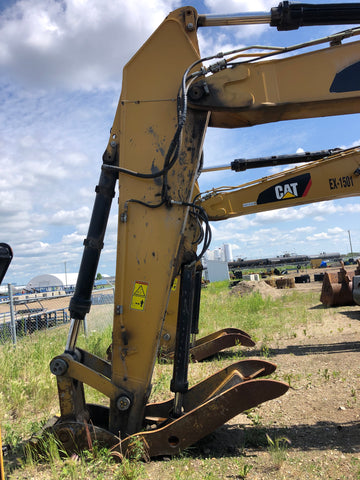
{"x": 168, "y": 99}
{"x": 335, "y": 176}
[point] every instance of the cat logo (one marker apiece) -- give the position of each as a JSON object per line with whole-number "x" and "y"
{"x": 289, "y": 190}
{"x": 294, "y": 187}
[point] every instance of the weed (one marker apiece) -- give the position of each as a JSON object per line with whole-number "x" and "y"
{"x": 277, "y": 449}
{"x": 254, "y": 417}
{"x": 242, "y": 469}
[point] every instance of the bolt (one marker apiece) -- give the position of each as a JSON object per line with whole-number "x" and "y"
{"x": 196, "y": 92}
{"x": 123, "y": 403}
{"x": 166, "y": 337}
{"x": 64, "y": 435}
{"x": 190, "y": 27}
{"x": 58, "y": 366}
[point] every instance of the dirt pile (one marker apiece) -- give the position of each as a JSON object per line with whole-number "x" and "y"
{"x": 247, "y": 287}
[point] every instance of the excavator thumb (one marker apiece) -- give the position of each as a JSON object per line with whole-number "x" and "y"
{"x": 214, "y": 343}
{"x": 205, "y": 407}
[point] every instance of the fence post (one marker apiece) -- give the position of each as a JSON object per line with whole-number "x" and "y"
{"x": 12, "y": 315}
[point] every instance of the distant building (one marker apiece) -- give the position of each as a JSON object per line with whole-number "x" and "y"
{"x": 53, "y": 281}
{"x": 221, "y": 254}
{"x": 216, "y": 271}
{"x": 228, "y": 253}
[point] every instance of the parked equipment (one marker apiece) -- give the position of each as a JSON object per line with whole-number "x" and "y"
{"x": 338, "y": 287}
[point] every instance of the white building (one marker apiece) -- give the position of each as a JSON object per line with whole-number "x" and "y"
{"x": 228, "y": 256}
{"x": 56, "y": 280}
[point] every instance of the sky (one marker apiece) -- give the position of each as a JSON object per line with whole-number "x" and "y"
{"x": 61, "y": 65}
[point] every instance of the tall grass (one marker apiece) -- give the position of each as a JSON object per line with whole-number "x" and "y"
{"x": 261, "y": 317}
{"x": 28, "y": 395}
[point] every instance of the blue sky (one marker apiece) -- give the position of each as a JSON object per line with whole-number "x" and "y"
{"x": 60, "y": 79}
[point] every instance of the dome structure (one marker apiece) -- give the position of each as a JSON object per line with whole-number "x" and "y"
{"x": 50, "y": 281}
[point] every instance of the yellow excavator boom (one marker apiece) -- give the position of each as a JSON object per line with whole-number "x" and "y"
{"x": 168, "y": 99}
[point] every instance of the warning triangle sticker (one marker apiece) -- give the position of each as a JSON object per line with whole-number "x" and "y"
{"x": 139, "y": 292}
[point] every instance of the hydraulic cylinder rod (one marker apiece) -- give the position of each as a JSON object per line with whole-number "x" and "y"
{"x": 241, "y": 164}
{"x": 80, "y": 303}
{"x": 290, "y": 16}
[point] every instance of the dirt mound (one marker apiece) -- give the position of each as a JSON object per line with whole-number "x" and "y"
{"x": 247, "y": 287}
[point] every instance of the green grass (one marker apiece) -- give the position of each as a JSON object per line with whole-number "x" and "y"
{"x": 262, "y": 317}
{"x": 28, "y": 396}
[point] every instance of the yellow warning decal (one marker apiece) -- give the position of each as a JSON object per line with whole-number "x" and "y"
{"x": 139, "y": 295}
{"x": 174, "y": 285}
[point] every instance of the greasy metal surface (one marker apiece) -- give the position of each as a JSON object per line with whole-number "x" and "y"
{"x": 148, "y": 248}
{"x": 215, "y": 342}
{"x": 283, "y": 89}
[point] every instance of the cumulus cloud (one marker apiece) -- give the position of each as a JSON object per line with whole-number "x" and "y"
{"x": 61, "y": 65}
{"x": 70, "y": 43}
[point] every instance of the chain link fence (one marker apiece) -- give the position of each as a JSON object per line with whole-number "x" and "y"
{"x": 26, "y": 313}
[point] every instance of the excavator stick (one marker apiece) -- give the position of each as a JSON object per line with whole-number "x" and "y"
{"x": 168, "y": 100}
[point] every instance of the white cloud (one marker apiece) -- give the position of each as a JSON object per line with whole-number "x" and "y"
{"x": 75, "y": 43}
{"x": 60, "y": 67}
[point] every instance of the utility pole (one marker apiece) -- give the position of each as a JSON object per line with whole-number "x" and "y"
{"x": 351, "y": 250}
{"x": 65, "y": 275}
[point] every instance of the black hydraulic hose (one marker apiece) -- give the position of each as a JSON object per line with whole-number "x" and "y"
{"x": 80, "y": 303}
